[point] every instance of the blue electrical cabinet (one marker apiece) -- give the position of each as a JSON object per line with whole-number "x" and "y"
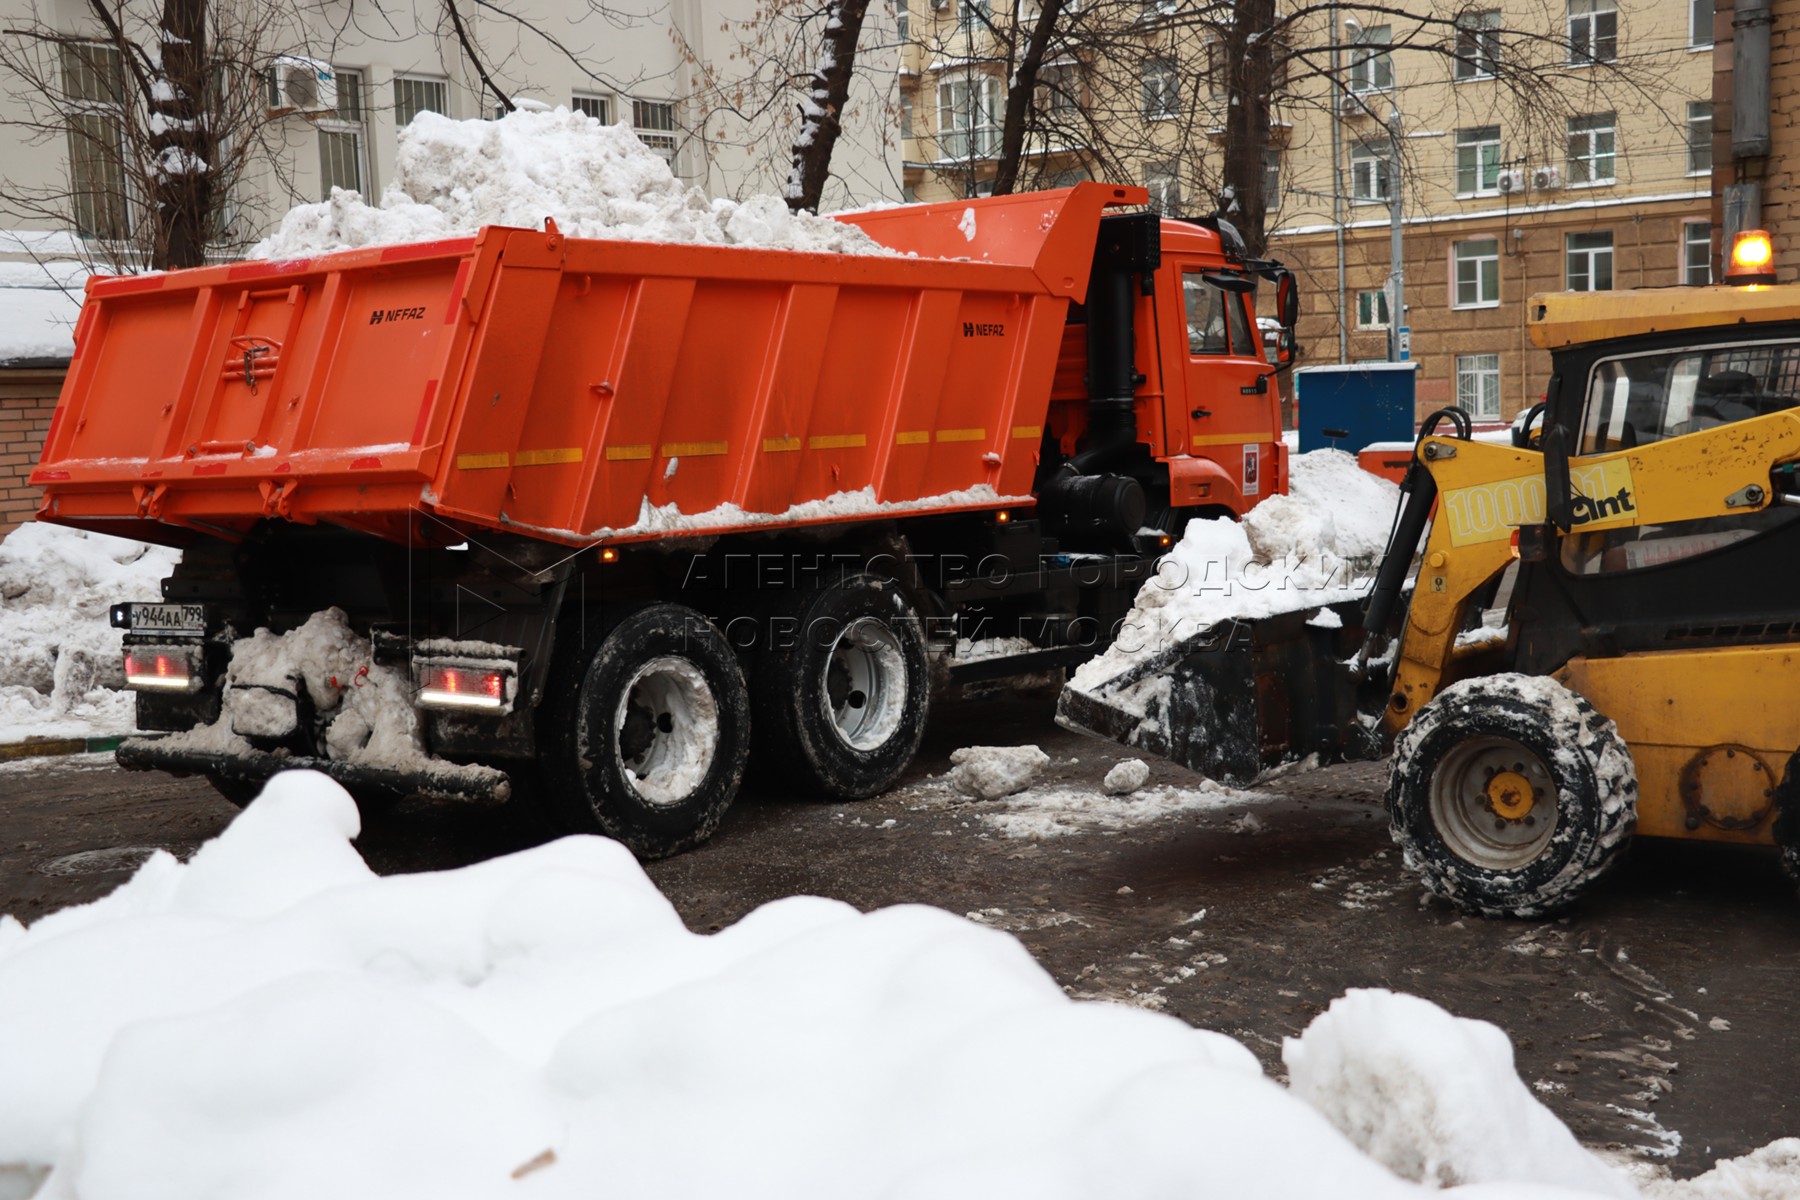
{"x": 1352, "y": 405}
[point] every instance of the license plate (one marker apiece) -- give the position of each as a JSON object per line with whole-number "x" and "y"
{"x": 168, "y": 618}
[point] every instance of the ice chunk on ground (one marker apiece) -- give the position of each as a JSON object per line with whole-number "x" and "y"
{"x": 61, "y": 672}
{"x": 597, "y": 181}
{"x": 1126, "y": 776}
{"x": 990, "y": 772}
{"x": 1771, "y": 1173}
{"x": 1434, "y": 1098}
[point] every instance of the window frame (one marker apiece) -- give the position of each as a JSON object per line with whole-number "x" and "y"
{"x": 347, "y": 121}
{"x": 1688, "y": 244}
{"x": 978, "y": 140}
{"x": 664, "y": 140}
{"x": 1595, "y": 46}
{"x": 1592, "y": 255}
{"x": 1475, "y": 368}
{"x": 1698, "y": 38}
{"x": 1368, "y": 64}
{"x": 419, "y": 81}
{"x": 1378, "y": 156}
{"x": 1163, "y": 180}
{"x": 1592, "y": 126}
{"x": 1694, "y": 124}
{"x": 1373, "y": 301}
{"x": 1477, "y": 140}
{"x": 1477, "y": 46}
{"x": 96, "y": 137}
{"x": 1161, "y": 83}
{"x": 1484, "y": 268}
{"x": 605, "y": 102}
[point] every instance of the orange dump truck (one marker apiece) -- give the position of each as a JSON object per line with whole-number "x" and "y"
{"x": 623, "y": 513}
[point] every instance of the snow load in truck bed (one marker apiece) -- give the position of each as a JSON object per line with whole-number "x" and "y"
{"x": 595, "y": 180}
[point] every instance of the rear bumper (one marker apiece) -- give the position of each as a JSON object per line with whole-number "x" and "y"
{"x": 446, "y": 781}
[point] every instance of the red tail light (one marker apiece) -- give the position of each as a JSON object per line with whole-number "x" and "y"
{"x": 162, "y": 668}
{"x": 462, "y": 687}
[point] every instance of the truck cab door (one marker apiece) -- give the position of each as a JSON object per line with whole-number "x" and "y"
{"x": 1226, "y": 407}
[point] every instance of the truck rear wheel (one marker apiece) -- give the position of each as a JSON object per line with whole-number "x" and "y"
{"x": 650, "y": 746}
{"x": 1787, "y": 819}
{"x": 842, "y": 697}
{"x": 1510, "y": 795}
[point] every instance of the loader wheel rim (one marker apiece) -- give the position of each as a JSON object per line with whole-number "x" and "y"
{"x": 864, "y": 684}
{"x": 1492, "y": 803}
{"x": 666, "y": 731}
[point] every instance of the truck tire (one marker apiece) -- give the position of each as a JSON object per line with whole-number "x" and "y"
{"x": 647, "y": 738}
{"x": 238, "y": 792}
{"x": 1510, "y": 795}
{"x": 842, "y": 700}
{"x": 1787, "y": 819}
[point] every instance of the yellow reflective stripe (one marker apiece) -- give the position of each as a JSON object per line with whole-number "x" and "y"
{"x": 1224, "y": 439}
{"x": 626, "y": 453}
{"x": 480, "y": 462}
{"x": 836, "y": 441}
{"x": 777, "y": 445}
{"x": 693, "y": 449}
{"x": 917, "y": 437}
{"x": 540, "y": 458}
{"x": 1028, "y": 431}
{"x": 961, "y": 435}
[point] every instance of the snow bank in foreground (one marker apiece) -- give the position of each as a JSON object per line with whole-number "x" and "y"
{"x": 1317, "y": 545}
{"x": 1434, "y": 1097}
{"x": 272, "y": 1019}
{"x": 61, "y": 674}
{"x": 597, "y": 181}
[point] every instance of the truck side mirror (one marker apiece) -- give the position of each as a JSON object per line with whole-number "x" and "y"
{"x": 1558, "y": 498}
{"x": 1287, "y": 300}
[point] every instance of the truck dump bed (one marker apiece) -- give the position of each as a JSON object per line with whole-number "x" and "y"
{"x": 578, "y": 390}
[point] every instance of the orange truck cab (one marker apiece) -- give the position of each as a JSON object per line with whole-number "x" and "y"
{"x": 612, "y": 517}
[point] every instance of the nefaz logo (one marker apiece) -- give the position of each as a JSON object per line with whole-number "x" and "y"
{"x": 1588, "y": 509}
{"x": 983, "y": 329}
{"x": 386, "y": 316}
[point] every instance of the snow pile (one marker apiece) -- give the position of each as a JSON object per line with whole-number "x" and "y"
{"x": 1127, "y": 776}
{"x": 1317, "y": 545}
{"x": 271, "y": 1019}
{"x": 39, "y": 302}
{"x": 1434, "y": 1098}
{"x": 1771, "y": 1173}
{"x": 61, "y": 672}
{"x": 1059, "y": 812}
{"x": 990, "y": 772}
{"x": 367, "y": 706}
{"x": 596, "y": 181}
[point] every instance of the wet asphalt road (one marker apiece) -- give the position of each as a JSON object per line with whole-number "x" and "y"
{"x": 1657, "y": 1017}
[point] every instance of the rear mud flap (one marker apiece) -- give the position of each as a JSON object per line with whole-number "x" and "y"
{"x": 1243, "y": 697}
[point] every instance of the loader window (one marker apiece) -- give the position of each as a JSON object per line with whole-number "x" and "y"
{"x": 1216, "y": 321}
{"x": 1643, "y": 398}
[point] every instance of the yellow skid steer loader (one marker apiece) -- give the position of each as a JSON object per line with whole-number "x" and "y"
{"x": 1641, "y": 535}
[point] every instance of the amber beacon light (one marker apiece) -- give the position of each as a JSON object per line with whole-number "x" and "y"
{"x": 1752, "y": 258}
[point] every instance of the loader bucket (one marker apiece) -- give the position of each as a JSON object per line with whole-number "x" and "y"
{"x": 1242, "y": 697}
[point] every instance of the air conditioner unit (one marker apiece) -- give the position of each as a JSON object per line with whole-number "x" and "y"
{"x": 1546, "y": 179}
{"x": 1511, "y": 182}
{"x": 301, "y": 85}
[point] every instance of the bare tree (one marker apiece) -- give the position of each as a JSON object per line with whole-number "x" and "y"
{"x": 821, "y": 109}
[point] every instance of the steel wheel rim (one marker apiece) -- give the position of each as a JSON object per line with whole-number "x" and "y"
{"x": 1464, "y": 815}
{"x": 864, "y": 684}
{"x": 665, "y": 731}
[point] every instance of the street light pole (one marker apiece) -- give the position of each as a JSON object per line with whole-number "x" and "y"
{"x": 1396, "y": 289}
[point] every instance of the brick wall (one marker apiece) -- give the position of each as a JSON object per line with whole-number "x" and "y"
{"x": 27, "y": 398}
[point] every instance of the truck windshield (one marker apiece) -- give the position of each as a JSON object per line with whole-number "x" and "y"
{"x": 1637, "y": 399}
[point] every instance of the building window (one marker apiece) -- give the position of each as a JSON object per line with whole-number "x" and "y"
{"x": 341, "y": 142}
{"x": 597, "y": 107}
{"x": 1478, "y": 161}
{"x": 1162, "y": 90}
{"x": 902, "y": 20}
{"x": 1478, "y": 45}
{"x": 1590, "y": 262}
{"x": 1478, "y": 385}
{"x": 1593, "y": 31}
{"x": 1372, "y": 309}
{"x": 1372, "y": 70}
{"x": 972, "y": 15}
{"x": 1699, "y": 137}
{"x": 654, "y": 121}
{"x": 906, "y": 115}
{"x": 1700, "y": 22}
{"x": 413, "y": 96}
{"x": 968, "y": 116}
{"x": 1593, "y": 149}
{"x": 1164, "y": 181}
{"x": 1477, "y": 273}
{"x": 1058, "y": 91}
{"x": 93, "y": 85}
{"x": 1696, "y": 252}
{"x": 1371, "y": 172}
{"x": 1271, "y": 176}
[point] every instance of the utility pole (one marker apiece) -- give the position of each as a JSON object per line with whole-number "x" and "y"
{"x": 1399, "y": 333}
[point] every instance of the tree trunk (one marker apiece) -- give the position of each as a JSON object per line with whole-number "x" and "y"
{"x": 1250, "y": 58}
{"x": 824, "y": 105}
{"x": 182, "y": 141}
{"x": 1019, "y": 95}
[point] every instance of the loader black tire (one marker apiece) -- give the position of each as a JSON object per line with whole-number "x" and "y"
{"x": 645, "y": 738}
{"x": 842, "y": 690}
{"x": 1510, "y": 795}
{"x": 1787, "y": 819}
